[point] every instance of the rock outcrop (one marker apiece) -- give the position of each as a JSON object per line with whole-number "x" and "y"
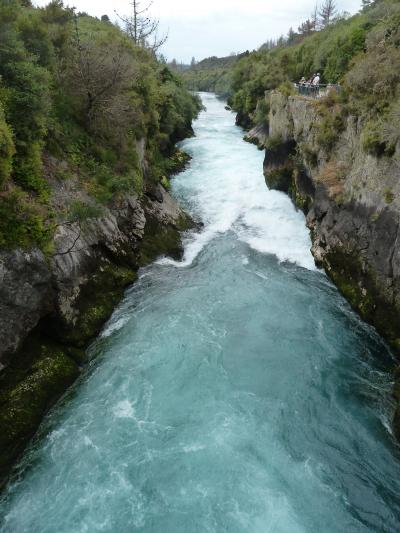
{"x": 52, "y": 305}
{"x": 352, "y": 201}
{"x": 258, "y": 135}
{"x": 33, "y": 287}
{"x": 26, "y": 295}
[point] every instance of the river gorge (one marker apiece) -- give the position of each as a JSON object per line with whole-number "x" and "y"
{"x": 233, "y": 391}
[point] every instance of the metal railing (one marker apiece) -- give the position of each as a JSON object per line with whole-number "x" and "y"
{"x": 316, "y": 91}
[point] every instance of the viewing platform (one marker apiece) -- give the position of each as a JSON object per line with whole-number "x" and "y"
{"x": 316, "y": 91}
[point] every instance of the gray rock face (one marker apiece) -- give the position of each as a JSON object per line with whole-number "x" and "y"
{"x": 257, "y": 135}
{"x": 165, "y": 209}
{"x": 352, "y": 201}
{"x": 51, "y": 307}
{"x": 26, "y": 295}
{"x": 33, "y": 286}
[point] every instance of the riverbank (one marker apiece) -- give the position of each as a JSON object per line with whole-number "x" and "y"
{"x": 53, "y": 307}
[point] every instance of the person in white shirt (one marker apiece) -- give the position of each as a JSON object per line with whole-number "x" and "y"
{"x": 316, "y": 80}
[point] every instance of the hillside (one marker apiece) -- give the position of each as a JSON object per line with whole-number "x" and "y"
{"x": 360, "y": 52}
{"x": 76, "y": 88}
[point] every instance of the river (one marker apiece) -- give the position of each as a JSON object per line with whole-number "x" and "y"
{"x": 235, "y": 391}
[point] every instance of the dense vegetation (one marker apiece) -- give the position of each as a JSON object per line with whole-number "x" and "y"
{"x": 362, "y": 53}
{"x": 78, "y": 93}
{"x": 213, "y": 74}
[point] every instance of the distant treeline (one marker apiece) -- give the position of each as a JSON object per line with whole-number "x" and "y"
{"x": 213, "y": 74}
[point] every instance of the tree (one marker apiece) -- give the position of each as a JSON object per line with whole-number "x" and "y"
{"x": 100, "y": 76}
{"x": 7, "y": 149}
{"x": 365, "y": 4}
{"x": 105, "y": 18}
{"x": 281, "y": 41}
{"x": 193, "y": 62}
{"x": 142, "y": 28}
{"x": 307, "y": 27}
{"x": 314, "y": 17}
{"x": 327, "y": 12}
{"x": 291, "y": 36}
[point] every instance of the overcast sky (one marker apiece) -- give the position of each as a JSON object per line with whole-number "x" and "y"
{"x": 202, "y": 28}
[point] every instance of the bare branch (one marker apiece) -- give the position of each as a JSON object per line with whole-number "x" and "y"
{"x": 327, "y": 12}
{"x": 142, "y": 28}
{"x": 71, "y": 248}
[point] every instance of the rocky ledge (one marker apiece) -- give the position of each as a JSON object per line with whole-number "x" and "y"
{"x": 51, "y": 306}
{"x": 314, "y": 152}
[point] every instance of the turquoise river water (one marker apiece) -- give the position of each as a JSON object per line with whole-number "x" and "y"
{"x": 233, "y": 392}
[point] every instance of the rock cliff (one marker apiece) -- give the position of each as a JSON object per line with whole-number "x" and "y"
{"x": 52, "y": 305}
{"x": 351, "y": 198}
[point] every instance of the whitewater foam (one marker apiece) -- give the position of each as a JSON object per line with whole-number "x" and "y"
{"x": 232, "y": 195}
{"x": 124, "y": 409}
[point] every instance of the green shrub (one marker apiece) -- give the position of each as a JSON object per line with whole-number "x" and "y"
{"x": 389, "y": 196}
{"x": 165, "y": 183}
{"x": 23, "y": 222}
{"x": 28, "y": 169}
{"x": 7, "y": 150}
{"x": 329, "y": 127}
{"x": 79, "y": 211}
{"x": 309, "y": 155}
{"x": 371, "y": 139}
{"x": 132, "y": 182}
{"x": 287, "y": 88}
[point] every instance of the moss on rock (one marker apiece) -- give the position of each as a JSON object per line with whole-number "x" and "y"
{"x": 163, "y": 239}
{"x": 283, "y": 179}
{"x": 361, "y": 288}
{"x": 302, "y": 201}
{"x": 280, "y": 179}
{"x": 28, "y": 387}
{"x": 95, "y": 304}
{"x": 160, "y": 241}
{"x": 178, "y": 161}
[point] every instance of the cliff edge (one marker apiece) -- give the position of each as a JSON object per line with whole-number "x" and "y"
{"x": 315, "y": 152}
{"x": 52, "y": 304}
